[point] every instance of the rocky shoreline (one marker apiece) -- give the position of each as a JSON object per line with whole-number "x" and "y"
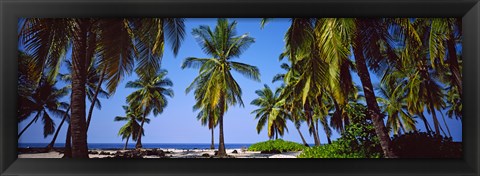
{"x": 155, "y": 153}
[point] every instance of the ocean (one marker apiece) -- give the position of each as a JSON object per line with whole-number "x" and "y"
{"x": 132, "y": 145}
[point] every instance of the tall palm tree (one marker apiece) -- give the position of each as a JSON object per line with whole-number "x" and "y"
{"x": 44, "y": 103}
{"x": 93, "y": 88}
{"x": 270, "y": 109}
{"x": 215, "y": 80}
{"x": 287, "y": 95}
{"x": 151, "y": 96}
{"x": 131, "y": 128}
{"x": 117, "y": 41}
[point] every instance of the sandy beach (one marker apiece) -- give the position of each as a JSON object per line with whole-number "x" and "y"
{"x": 164, "y": 153}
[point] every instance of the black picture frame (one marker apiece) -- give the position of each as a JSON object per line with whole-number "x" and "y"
{"x": 11, "y": 10}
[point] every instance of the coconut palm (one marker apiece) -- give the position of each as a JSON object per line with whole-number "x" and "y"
{"x": 150, "y": 96}
{"x": 93, "y": 88}
{"x": 392, "y": 101}
{"x": 44, "y": 103}
{"x": 270, "y": 109}
{"x": 365, "y": 37}
{"x": 215, "y": 80}
{"x": 131, "y": 128}
{"x": 208, "y": 117}
{"x": 292, "y": 107}
{"x": 117, "y": 41}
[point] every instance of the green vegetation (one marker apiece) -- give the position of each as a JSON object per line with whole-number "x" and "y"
{"x": 276, "y": 145}
{"x": 358, "y": 141}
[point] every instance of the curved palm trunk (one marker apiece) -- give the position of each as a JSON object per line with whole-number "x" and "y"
{"x": 301, "y": 136}
{"x": 50, "y": 146}
{"x": 212, "y": 146}
{"x": 453, "y": 64}
{"x": 97, "y": 90}
{"x": 425, "y": 122}
{"x": 276, "y": 134}
{"x": 29, "y": 124}
{"x": 370, "y": 97}
{"x": 140, "y": 132}
{"x": 126, "y": 143}
{"x": 311, "y": 123}
{"x": 436, "y": 124}
{"x": 67, "y": 153}
{"x": 221, "y": 141}
{"x": 77, "y": 119}
{"x": 446, "y": 125}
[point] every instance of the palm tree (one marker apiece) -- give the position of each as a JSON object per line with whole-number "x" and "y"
{"x": 424, "y": 90}
{"x": 65, "y": 117}
{"x": 270, "y": 109}
{"x": 45, "y": 103}
{"x": 93, "y": 87}
{"x": 131, "y": 128}
{"x": 209, "y": 117}
{"x": 153, "y": 89}
{"x": 291, "y": 106}
{"x": 393, "y": 102}
{"x": 215, "y": 81}
{"x": 117, "y": 41}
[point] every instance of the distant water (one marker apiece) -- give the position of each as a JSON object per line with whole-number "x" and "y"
{"x": 132, "y": 145}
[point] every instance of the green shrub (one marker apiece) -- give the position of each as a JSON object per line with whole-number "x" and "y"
{"x": 279, "y": 145}
{"x": 337, "y": 149}
{"x": 358, "y": 140}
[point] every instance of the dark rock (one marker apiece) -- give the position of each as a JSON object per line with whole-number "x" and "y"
{"x": 216, "y": 152}
{"x": 235, "y": 151}
{"x": 205, "y": 155}
{"x": 104, "y": 153}
{"x": 92, "y": 152}
{"x": 271, "y": 152}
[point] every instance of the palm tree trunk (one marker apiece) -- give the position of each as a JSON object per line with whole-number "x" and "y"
{"x": 425, "y": 122}
{"x": 370, "y": 97}
{"x": 140, "y": 132}
{"x": 276, "y": 133}
{"x": 311, "y": 123}
{"x": 453, "y": 63}
{"x": 67, "y": 152}
{"x": 97, "y": 90}
{"x": 436, "y": 124}
{"x": 29, "y": 124}
{"x": 77, "y": 119}
{"x": 212, "y": 146}
{"x": 316, "y": 130}
{"x": 402, "y": 127}
{"x": 446, "y": 125}
{"x": 50, "y": 146}
{"x": 221, "y": 142}
{"x": 301, "y": 136}
{"x": 126, "y": 143}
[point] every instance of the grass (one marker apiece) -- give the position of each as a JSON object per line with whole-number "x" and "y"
{"x": 279, "y": 145}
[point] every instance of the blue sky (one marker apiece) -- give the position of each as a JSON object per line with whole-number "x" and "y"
{"x": 178, "y": 123}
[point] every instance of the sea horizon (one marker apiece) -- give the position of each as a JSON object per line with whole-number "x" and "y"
{"x": 145, "y": 145}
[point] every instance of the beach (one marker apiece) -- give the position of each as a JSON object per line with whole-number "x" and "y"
{"x": 159, "y": 153}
